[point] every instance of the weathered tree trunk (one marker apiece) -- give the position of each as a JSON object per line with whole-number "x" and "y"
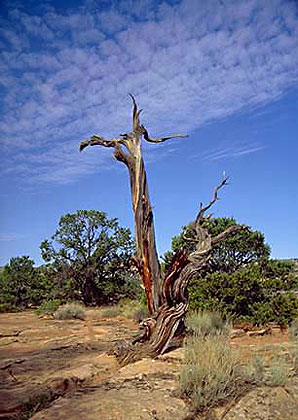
{"x": 166, "y": 294}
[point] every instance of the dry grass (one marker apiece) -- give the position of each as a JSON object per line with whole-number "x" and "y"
{"x": 70, "y": 311}
{"x": 131, "y": 309}
{"x": 204, "y": 323}
{"x": 212, "y": 372}
{"x": 111, "y": 312}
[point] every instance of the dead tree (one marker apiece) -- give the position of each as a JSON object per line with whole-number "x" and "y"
{"x": 166, "y": 293}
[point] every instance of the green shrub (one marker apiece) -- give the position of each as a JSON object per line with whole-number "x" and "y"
{"x": 247, "y": 294}
{"x": 48, "y": 307}
{"x": 259, "y": 368}
{"x": 8, "y": 307}
{"x": 204, "y": 323}
{"x": 212, "y": 372}
{"x": 70, "y": 311}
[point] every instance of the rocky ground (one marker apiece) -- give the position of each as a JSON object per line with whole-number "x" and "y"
{"x": 51, "y": 370}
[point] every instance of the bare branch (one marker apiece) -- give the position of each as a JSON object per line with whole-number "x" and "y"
{"x": 200, "y": 217}
{"x": 161, "y": 139}
{"x": 137, "y": 127}
{"x": 223, "y": 235}
{"x": 98, "y": 141}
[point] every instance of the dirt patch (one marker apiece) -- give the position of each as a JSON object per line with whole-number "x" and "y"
{"x": 42, "y": 358}
{"x": 52, "y": 369}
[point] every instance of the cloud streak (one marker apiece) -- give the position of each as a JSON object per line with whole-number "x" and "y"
{"x": 231, "y": 152}
{"x": 66, "y": 75}
{"x": 5, "y": 237}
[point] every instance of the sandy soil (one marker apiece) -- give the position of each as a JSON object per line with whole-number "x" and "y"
{"x": 52, "y": 369}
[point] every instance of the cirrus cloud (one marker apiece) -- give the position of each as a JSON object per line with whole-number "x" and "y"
{"x": 66, "y": 74}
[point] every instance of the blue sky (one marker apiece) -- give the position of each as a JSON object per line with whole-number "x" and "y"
{"x": 225, "y": 72}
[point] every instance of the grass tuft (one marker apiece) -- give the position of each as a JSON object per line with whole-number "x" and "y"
{"x": 204, "y": 323}
{"x": 111, "y": 312}
{"x": 70, "y": 311}
{"x": 279, "y": 373}
{"x": 212, "y": 372}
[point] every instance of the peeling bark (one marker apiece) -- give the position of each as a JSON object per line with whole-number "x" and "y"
{"x": 166, "y": 294}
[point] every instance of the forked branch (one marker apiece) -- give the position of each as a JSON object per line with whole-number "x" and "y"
{"x": 201, "y": 215}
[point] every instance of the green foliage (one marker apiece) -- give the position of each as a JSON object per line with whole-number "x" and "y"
{"x": 129, "y": 308}
{"x": 8, "y": 307}
{"x": 21, "y": 284}
{"x": 48, "y": 307}
{"x": 247, "y": 294}
{"x": 72, "y": 310}
{"x": 241, "y": 248}
{"x": 91, "y": 257}
{"x": 239, "y": 280}
{"x": 204, "y": 323}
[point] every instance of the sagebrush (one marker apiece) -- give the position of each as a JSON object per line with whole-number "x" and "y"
{"x": 72, "y": 310}
{"x": 212, "y": 372}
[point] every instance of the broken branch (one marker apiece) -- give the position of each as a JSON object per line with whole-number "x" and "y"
{"x": 162, "y": 139}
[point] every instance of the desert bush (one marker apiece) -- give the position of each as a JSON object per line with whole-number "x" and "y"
{"x": 72, "y": 310}
{"x": 212, "y": 372}
{"x": 48, "y": 307}
{"x": 259, "y": 368}
{"x": 278, "y": 372}
{"x": 269, "y": 371}
{"x": 255, "y": 370}
{"x": 204, "y": 323}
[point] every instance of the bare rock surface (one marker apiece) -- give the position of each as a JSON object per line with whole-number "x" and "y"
{"x": 263, "y": 404}
{"x": 142, "y": 390}
{"x": 54, "y": 370}
{"x": 42, "y": 358}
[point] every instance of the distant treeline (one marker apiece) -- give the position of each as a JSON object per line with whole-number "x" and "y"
{"x": 88, "y": 259}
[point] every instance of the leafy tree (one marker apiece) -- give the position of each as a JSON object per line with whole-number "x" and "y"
{"x": 239, "y": 279}
{"x": 242, "y": 248}
{"x": 19, "y": 283}
{"x": 91, "y": 255}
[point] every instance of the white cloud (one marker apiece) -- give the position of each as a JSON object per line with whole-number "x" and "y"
{"x": 226, "y": 152}
{"x": 4, "y": 237}
{"x": 67, "y": 75}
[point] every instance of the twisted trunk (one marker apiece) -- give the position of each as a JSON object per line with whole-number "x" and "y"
{"x": 166, "y": 294}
